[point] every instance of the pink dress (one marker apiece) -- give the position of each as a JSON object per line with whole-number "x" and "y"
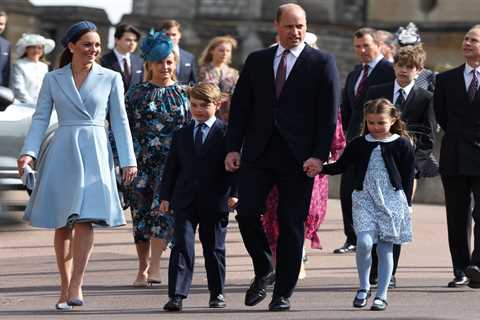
{"x": 318, "y": 204}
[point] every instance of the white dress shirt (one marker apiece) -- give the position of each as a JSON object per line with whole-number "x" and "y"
{"x": 406, "y": 90}
{"x": 206, "y": 129}
{"x": 291, "y": 57}
{"x": 371, "y": 65}
{"x": 120, "y": 58}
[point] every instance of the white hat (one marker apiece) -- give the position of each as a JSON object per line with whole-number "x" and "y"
{"x": 311, "y": 39}
{"x": 30, "y": 39}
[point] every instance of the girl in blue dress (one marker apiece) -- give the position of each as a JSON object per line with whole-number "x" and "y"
{"x": 156, "y": 108}
{"x": 384, "y": 164}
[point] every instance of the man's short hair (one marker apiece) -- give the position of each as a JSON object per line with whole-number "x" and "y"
{"x": 385, "y": 36}
{"x": 410, "y": 56}
{"x": 206, "y": 91}
{"x": 122, "y": 28}
{"x": 281, "y": 9}
{"x": 362, "y": 32}
{"x": 3, "y": 14}
{"x": 169, "y": 24}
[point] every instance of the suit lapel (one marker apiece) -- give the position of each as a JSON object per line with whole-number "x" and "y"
{"x": 188, "y": 139}
{"x": 353, "y": 81}
{"x": 65, "y": 81}
{"x": 410, "y": 98}
{"x": 269, "y": 64}
{"x": 88, "y": 86}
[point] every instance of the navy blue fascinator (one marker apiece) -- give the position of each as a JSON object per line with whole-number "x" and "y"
{"x": 75, "y": 29}
{"x": 156, "y": 46}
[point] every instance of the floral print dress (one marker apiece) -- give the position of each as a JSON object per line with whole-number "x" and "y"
{"x": 154, "y": 113}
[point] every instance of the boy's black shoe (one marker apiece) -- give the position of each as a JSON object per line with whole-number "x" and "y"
{"x": 174, "y": 304}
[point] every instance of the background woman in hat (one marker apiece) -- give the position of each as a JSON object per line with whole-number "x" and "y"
{"x": 31, "y": 67}
{"x": 75, "y": 185}
{"x": 156, "y": 108}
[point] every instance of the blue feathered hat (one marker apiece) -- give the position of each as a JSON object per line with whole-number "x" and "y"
{"x": 156, "y": 46}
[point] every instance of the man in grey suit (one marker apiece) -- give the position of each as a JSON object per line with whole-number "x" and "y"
{"x": 4, "y": 52}
{"x": 186, "y": 66}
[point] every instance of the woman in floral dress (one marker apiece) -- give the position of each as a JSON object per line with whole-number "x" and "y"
{"x": 156, "y": 108}
{"x": 318, "y": 204}
{"x": 215, "y": 68}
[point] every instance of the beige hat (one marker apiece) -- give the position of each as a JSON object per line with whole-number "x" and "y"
{"x": 30, "y": 39}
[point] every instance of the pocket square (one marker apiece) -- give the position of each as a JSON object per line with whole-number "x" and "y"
{"x": 188, "y": 64}
{"x": 5, "y": 53}
{"x": 138, "y": 71}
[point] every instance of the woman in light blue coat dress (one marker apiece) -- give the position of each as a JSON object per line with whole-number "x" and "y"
{"x": 76, "y": 186}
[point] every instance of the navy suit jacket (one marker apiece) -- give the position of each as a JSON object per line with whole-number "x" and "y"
{"x": 305, "y": 114}
{"x": 109, "y": 60}
{"x": 198, "y": 179}
{"x": 352, "y": 108}
{"x": 4, "y": 62}
{"x": 417, "y": 112}
{"x": 460, "y": 119}
{"x": 186, "y": 70}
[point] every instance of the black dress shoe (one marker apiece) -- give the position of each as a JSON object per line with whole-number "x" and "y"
{"x": 279, "y": 304}
{"x": 457, "y": 282}
{"x": 174, "y": 304}
{"x": 258, "y": 289}
{"x": 361, "y": 302}
{"x": 473, "y": 273}
{"x": 346, "y": 248}
{"x": 217, "y": 301}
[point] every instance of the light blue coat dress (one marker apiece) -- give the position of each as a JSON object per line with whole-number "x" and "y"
{"x": 77, "y": 176}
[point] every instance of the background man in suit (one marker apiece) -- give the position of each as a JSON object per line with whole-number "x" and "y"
{"x": 415, "y": 105}
{"x": 122, "y": 58}
{"x": 283, "y": 117}
{"x": 4, "y": 52}
{"x": 457, "y": 108}
{"x": 374, "y": 69}
{"x": 186, "y": 66}
{"x": 197, "y": 187}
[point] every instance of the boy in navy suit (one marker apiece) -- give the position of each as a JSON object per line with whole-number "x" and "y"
{"x": 199, "y": 191}
{"x": 415, "y": 105}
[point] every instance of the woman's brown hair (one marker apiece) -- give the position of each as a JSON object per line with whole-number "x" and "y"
{"x": 66, "y": 56}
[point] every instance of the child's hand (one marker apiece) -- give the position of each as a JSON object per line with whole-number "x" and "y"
{"x": 312, "y": 167}
{"x": 164, "y": 206}
{"x": 232, "y": 203}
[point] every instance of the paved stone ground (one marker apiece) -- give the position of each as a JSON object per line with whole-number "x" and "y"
{"x": 28, "y": 279}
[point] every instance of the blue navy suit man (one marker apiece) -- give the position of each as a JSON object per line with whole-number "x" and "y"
{"x": 283, "y": 118}
{"x": 186, "y": 66}
{"x": 199, "y": 190}
{"x": 122, "y": 59}
{"x": 456, "y": 102}
{"x": 373, "y": 70}
{"x": 4, "y": 53}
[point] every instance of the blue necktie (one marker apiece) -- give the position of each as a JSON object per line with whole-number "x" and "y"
{"x": 198, "y": 141}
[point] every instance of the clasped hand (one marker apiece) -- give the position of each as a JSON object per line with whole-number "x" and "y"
{"x": 312, "y": 167}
